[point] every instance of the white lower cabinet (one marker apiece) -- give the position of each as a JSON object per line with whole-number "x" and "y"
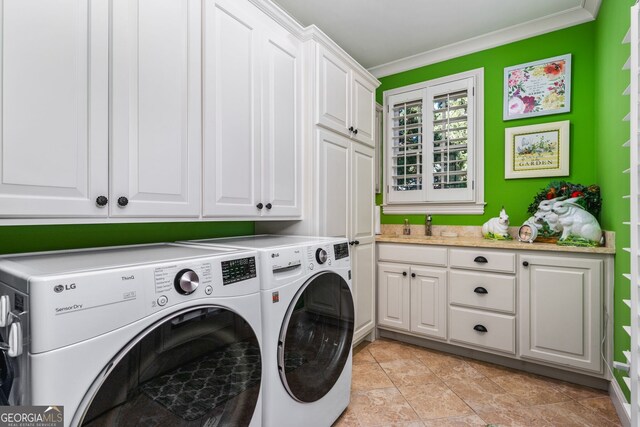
{"x": 542, "y": 307}
{"x": 413, "y": 299}
{"x": 561, "y": 310}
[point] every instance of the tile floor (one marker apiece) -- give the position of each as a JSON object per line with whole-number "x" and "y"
{"x": 401, "y": 385}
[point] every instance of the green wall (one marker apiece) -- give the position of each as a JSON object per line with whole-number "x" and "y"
{"x": 611, "y": 133}
{"x": 53, "y": 237}
{"x": 597, "y": 130}
{"x": 517, "y": 194}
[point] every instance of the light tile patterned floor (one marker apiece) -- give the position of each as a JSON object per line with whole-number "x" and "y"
{"x": 401, "y": 385}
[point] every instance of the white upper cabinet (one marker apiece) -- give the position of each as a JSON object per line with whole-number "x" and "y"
{"x": 231, "y": 53}
{"x": 281, "y": 124}
{"x": 156, "y": 114}
{"x": 54, "y": 122}
{"x": 333, "y": 92}
{"x": 345, "y": 101}
{"x": 251, "y": 114}
{"x": 363, "y": 96}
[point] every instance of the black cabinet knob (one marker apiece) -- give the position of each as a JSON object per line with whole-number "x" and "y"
{"x": 356, "y": 242}
{"x": 404, "y": 273}
{"x": 102, "y": 201}
{"x": 355, "y": 131}
{"x": 268, "y": 206}
{"x": 480, "y": 290}
{"x": 350, "y": 128}
{"x": 259, "y": 206}
{"x": 480, "y": 328}
{"x": 123, "y": 201}
{"x": 480, "y": 260}
{"x": 351, "y": 243}
{"x": 526, "y": 263}
{"x": 413, "y": 274}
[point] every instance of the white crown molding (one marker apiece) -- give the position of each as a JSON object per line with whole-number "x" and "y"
{"x": 275, "y": 12}
{"x": 592, "y": 6}
{"x": 279, "y": 15}
{"x": 578, "y": 15}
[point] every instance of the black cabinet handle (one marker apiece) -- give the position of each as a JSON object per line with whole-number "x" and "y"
{"x": 123, "y": 201}
{"x": 350, "y": 128}
{"x": 480, "y": 260}
{"x": 259, "y": 206}
{"x": 102, "y": 201}
{"x": 480, "y": 328}
{"x": 413, "y": 274}
{"x": 355, "y": 131}
{"x": 269, "y": 206}
{"x": 526, "y": 263}
{"x": 351, "y": 243}
{"x": 356, "y": 242}
{"x": 404, "y": 273}
{"x": 480, "y": 290}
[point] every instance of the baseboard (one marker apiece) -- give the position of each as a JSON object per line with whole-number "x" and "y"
{"x": 619, "y": 401}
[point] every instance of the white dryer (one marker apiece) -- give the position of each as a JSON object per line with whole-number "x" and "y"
{"x": 165, "y": 335}
{"x": 307, "y": 325}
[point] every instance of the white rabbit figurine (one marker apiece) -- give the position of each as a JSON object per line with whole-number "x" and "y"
{"x": 544, "y": 208}
{"x": 497, "y": 227}
{"x": 576, "y": 221}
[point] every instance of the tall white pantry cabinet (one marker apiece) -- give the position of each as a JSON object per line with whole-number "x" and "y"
{"x": 340, "y": 170}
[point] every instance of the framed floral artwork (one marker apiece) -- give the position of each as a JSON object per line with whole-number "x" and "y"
{"x": 537, "y": 88}
{"x": 537, "y": 150}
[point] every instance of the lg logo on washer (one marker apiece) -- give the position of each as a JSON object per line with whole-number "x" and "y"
{"x": 60, "y": 288}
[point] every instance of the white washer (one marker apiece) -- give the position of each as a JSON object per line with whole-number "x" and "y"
{"x": 307, "y": 325}
{"x": 160, "y": 334}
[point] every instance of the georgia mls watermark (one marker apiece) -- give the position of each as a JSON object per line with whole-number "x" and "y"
{"x": 31, "y": 416}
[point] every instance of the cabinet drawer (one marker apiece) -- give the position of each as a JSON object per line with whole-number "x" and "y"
{"x": 414, "y": 254}
{"x": 467, "y": 288}
{"x": 500, "y": 329}
{"x": 483, "y": 259}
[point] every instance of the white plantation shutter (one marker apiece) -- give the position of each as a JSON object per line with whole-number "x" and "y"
{"x": 431, "y": 143}
{"x": 449, "y": 141}
{"x": 405, "y": 142}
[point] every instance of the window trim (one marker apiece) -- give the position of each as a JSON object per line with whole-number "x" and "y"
{"x": 476, "y": 206}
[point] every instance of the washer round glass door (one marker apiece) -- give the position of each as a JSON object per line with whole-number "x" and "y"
{"x": 200, "y": 366}
{"x": 315, "y": 339}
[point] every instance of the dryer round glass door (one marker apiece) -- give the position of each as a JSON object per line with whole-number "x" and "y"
{"x": 197, "y": 367}
{"x": 316, "y": 336}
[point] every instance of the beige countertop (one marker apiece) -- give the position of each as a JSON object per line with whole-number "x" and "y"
{"x": 470, "y": 240}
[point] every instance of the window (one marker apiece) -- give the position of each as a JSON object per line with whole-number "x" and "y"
{"x": 434, "y": 143}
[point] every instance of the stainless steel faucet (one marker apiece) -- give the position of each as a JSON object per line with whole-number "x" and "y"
{"x": 406, "y": 230}
{"x": 427, "y": 226}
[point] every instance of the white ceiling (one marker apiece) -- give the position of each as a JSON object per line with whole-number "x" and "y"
{"x": 378, "y": 33}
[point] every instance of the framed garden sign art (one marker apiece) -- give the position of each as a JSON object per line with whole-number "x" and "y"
{"x": 537, "y": 88}
{"x": 537, "y": 150}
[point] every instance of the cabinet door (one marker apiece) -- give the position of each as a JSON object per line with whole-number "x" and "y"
{"x": 281, "y": 127}
{"x": 231, "y": 107}
{"x": 333, "y": 87}
{"x": 393, "y": 296}
{"x": 333, "y": 184}
{"x": 429, "y": 302}
{"x": 560, "y": 310}
{"x": 156, "y": 114}
{"x": 54, "y": 94}
{"x": 363, "y": 105}
{"x": 363, "y": 280}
